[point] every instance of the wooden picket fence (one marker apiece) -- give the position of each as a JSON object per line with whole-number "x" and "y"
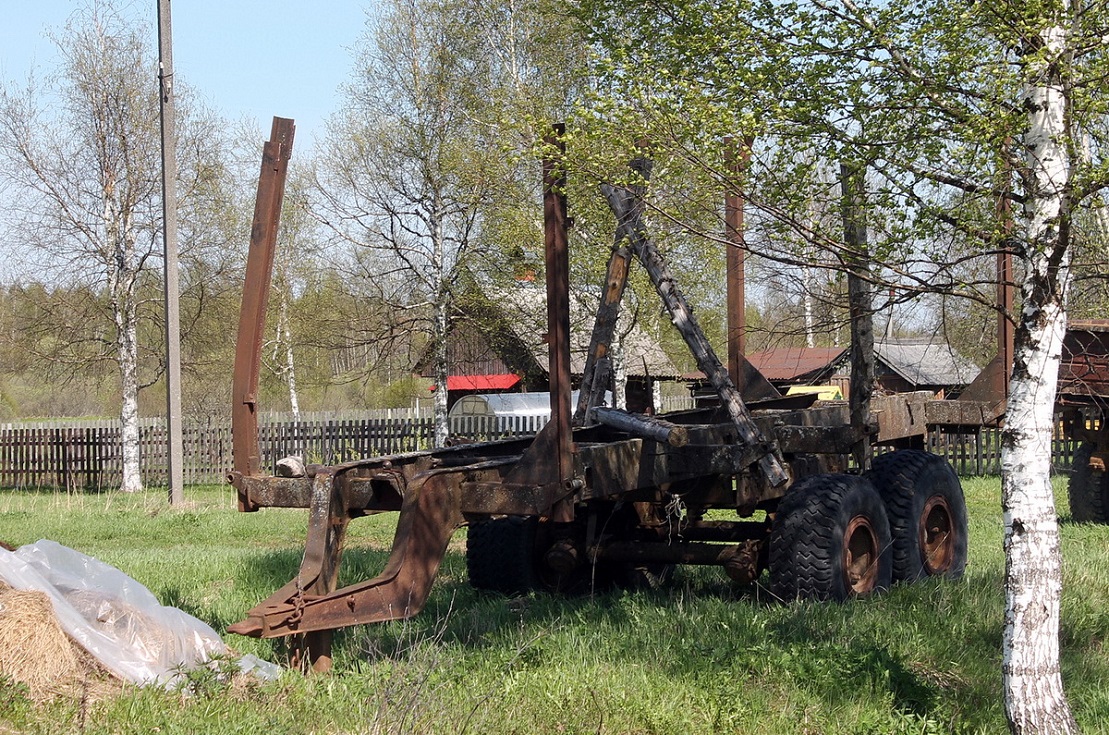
{"x": 86, "y": 455}
{"x": 82, "y": 456}
{"x": 979, "y": 453}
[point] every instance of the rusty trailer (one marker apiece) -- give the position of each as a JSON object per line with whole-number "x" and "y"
{"x": 605, "y": 494}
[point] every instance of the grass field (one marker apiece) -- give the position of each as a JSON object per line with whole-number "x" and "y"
{"x": 699, "y": 656}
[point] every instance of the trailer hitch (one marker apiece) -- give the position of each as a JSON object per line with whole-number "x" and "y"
{"x": 430, "y": 513}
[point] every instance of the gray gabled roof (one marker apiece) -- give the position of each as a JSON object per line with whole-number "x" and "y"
{"x": 926, "y": 362}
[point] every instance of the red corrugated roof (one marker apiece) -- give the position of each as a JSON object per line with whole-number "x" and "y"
{"x": 482, "y": 382}
{"x": 786, "y": 363}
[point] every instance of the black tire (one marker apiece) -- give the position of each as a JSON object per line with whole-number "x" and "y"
{"x": 830, "y": 540}
{"x": 500, "y": 555}
{"x": 506, "y": 555}
{"x": 927, "y": 514}
{"x": 1088, "y": 489}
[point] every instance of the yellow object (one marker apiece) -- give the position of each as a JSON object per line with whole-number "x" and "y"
{"x": 823, "y": 392}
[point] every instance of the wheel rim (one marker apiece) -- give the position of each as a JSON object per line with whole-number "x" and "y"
{"x": 937, "y": 535}
{"x": 860, "y": 556}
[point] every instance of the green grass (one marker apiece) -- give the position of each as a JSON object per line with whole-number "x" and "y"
{"x": 699, "y": 656}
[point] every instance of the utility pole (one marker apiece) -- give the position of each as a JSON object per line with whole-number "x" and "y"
{"x": 175, "y": 450}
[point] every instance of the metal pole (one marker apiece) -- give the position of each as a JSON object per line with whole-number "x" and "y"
{"x": 738, "y": 155}
{"x": 252, "y": 316}
{"x": 861, "y": 303}
{"x": 557, "y": 259}
{"x": 175, "y": 449}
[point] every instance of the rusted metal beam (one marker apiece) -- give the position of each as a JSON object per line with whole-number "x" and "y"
{"x": 681, "y": 315}
{"x": 992, "y": 383}
{"x": 819, "y": 439}
{"x": 901, "y": 416}
{"x": 619, "y": 468}
{"x": 319, "y": 567}
{"x": 557, "y": 258}
{"x": 595, "y": 374}
{"x": 498, "y": 498}
{"x": 861, "y": 303}
{"x": 738, "y": 157}
{"x": 256, "y": 288}
{"x": 960, "y": 413}
{"x": 746, "y": 378}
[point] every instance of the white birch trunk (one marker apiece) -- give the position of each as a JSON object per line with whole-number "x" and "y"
{"x": 806, "y": 306}
{"x": 619, "y": 372}
{"x": 1033, "y": 686}
{"x": 439, "y": 335}
{"x": 129, "y": 405}
{"x": 291, "y": 379}
{"x": 283, "y": 354}
{"x": 122, "y": 284}
{"x": 285, "y": 339}
{"x": 440, "y": 324}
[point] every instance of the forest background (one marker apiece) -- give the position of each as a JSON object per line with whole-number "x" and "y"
{"x": 356, "y": 304}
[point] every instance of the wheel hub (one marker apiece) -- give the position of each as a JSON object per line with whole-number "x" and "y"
{"x": 937, "y": 536}
{"x": 860, "y": 556}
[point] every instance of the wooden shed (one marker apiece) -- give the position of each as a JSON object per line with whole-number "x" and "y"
{"x": 497, "y": 343}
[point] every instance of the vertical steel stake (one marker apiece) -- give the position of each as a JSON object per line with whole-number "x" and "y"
{"x": 556, "y": 254}
{"x": 861, "y": 303}
{"x": 738, "y": 156}
{"x": 256, "y": 290}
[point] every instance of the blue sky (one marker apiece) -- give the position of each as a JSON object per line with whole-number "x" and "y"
{"x": 245, "y": 58}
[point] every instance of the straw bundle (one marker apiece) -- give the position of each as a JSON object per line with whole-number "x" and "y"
{"x": 33, "y": 649}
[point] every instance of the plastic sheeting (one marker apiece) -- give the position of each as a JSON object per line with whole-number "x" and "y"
{"x": 115, "y": 618}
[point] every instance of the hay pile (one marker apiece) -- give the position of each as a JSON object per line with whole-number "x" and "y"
{"x": 34, "y": 650}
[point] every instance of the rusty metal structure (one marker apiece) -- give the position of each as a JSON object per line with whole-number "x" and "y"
{"x": 1082, "y": 402}
{"x": 609, "y": 494}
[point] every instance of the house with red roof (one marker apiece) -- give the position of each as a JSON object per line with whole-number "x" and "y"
{"x": 901, "y": 366}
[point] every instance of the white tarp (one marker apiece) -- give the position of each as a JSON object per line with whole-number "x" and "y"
{"x": 115, "y": 618}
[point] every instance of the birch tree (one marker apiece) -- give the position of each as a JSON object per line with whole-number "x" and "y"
{"x": 397, "y": 177}
{"x": 80, "y": 166}
{"x": 1034, "y": 698}
{"x": 296, "y": 262}
{"x": 941, "y": 99}
{"x": 82, "y": 156}
{"x": 424, "y": 169}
